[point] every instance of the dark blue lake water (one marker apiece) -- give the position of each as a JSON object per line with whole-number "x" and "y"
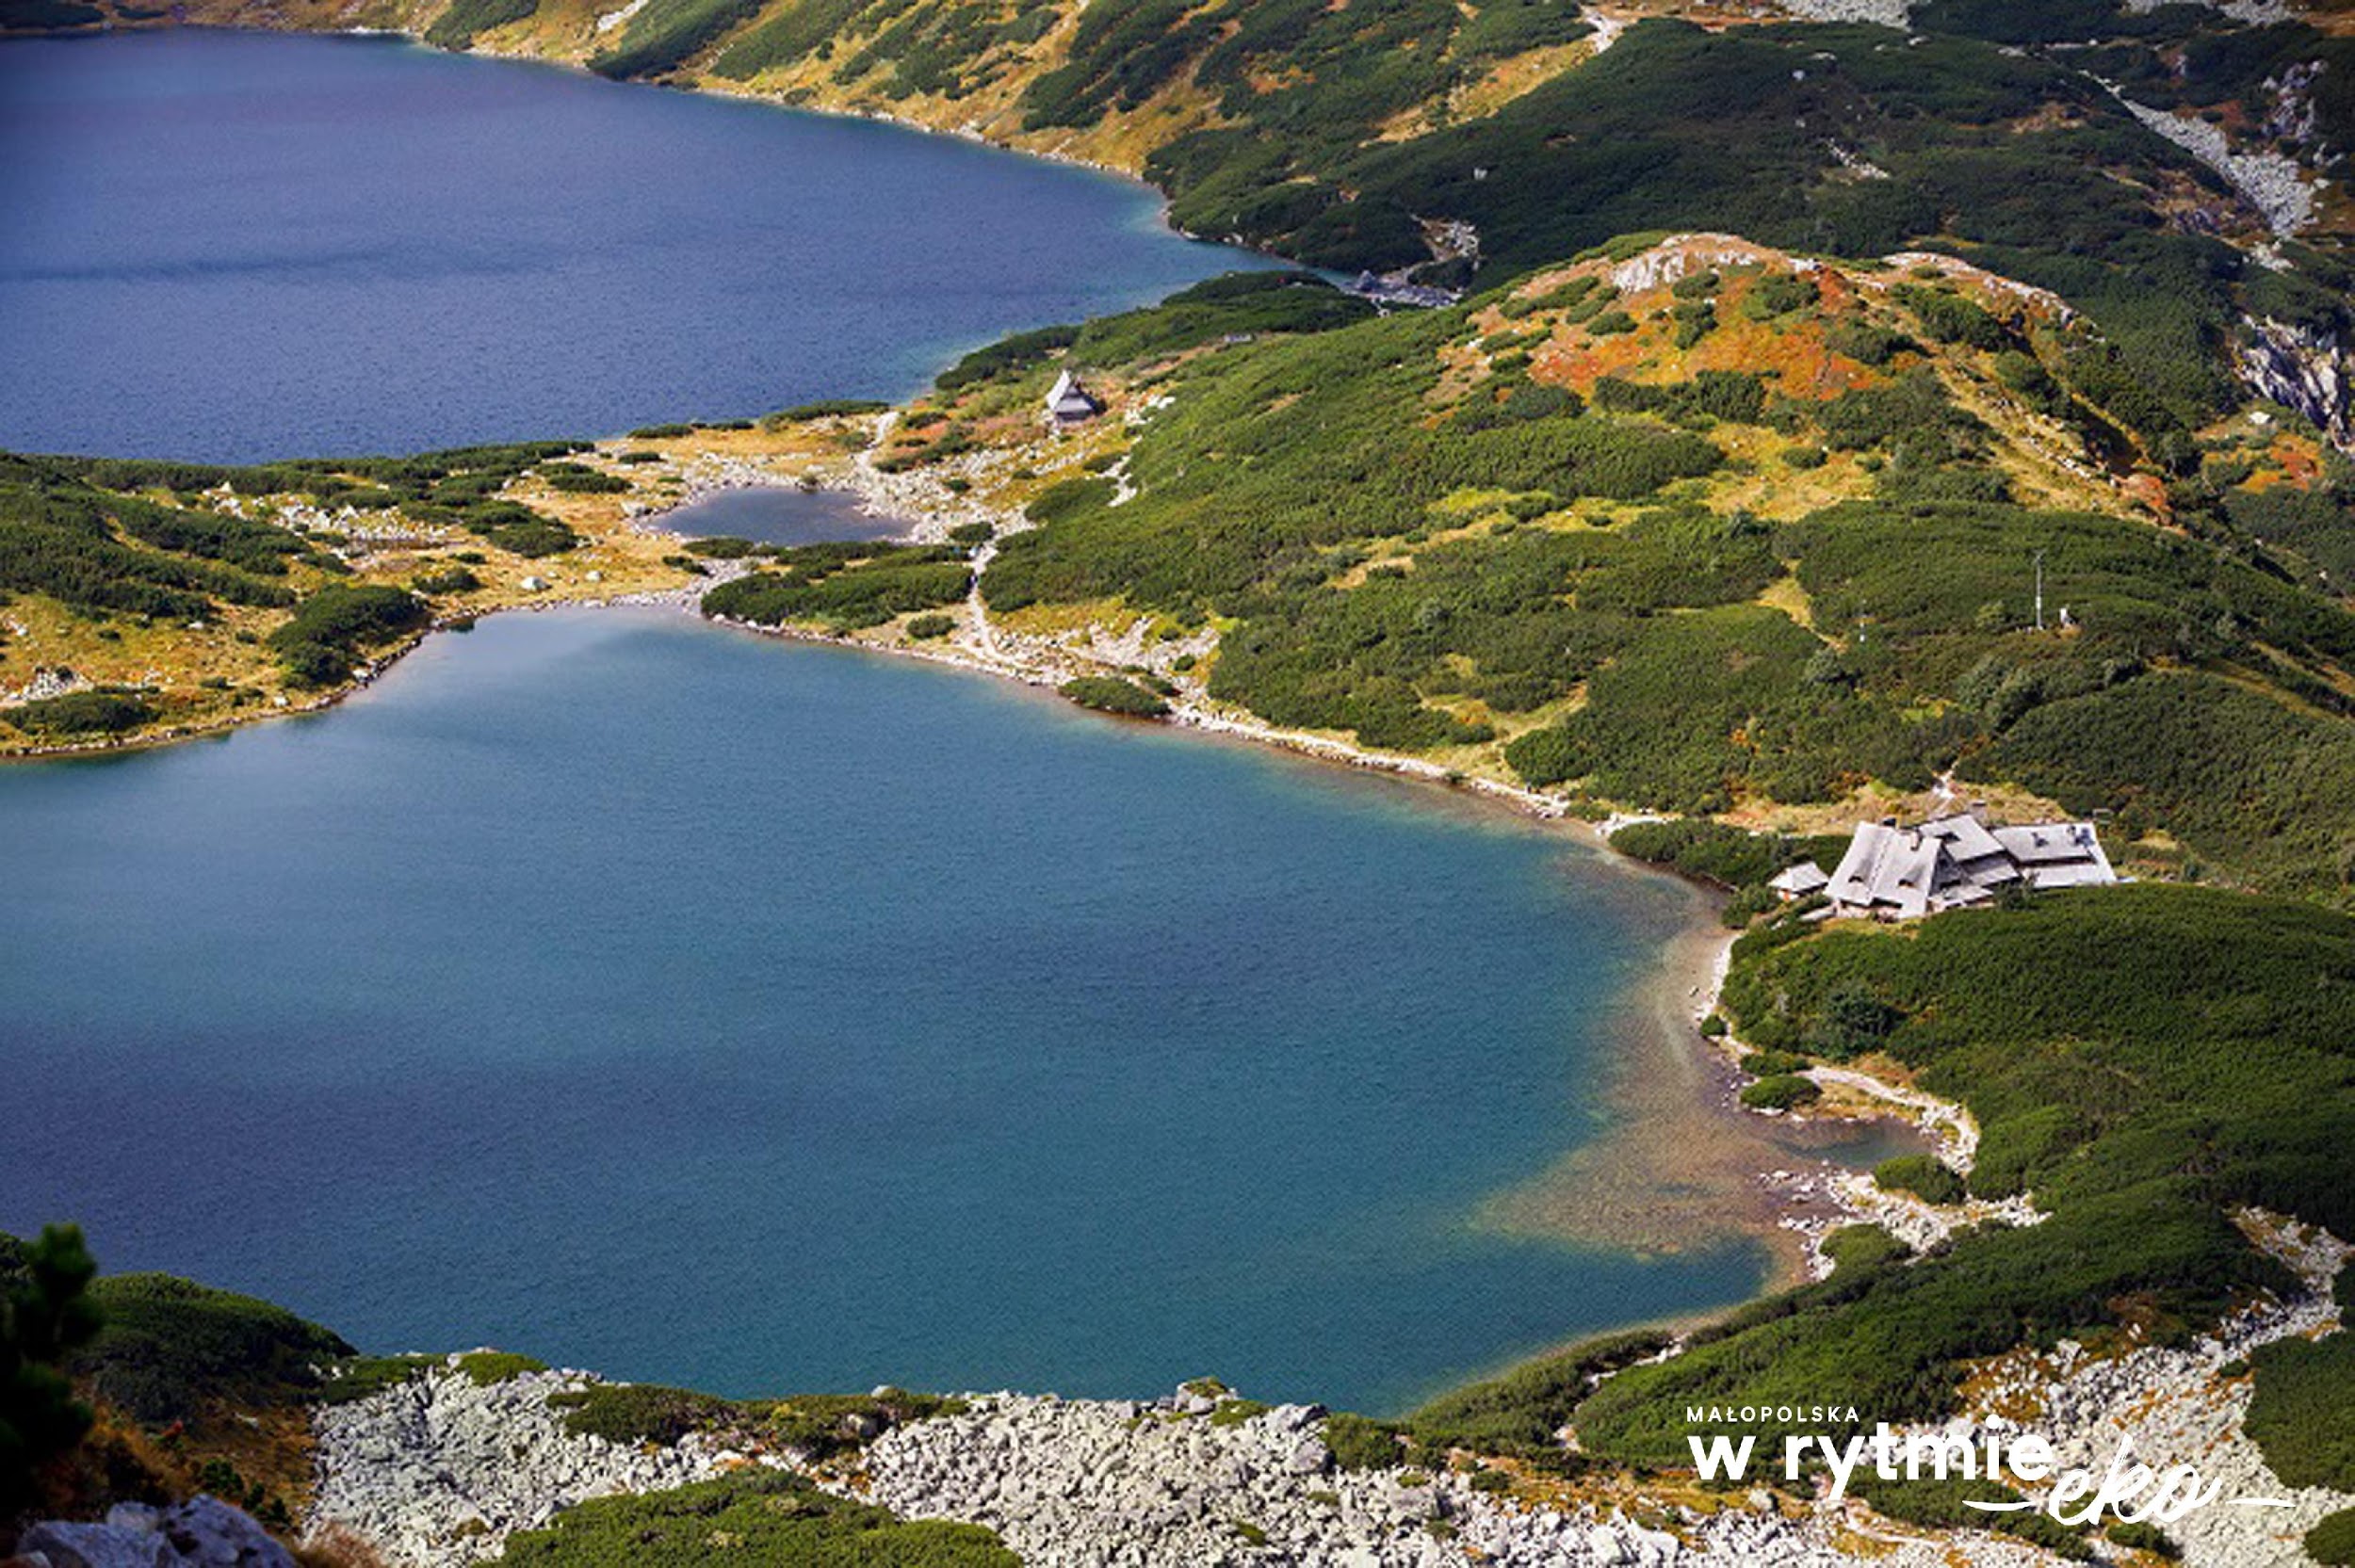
{"x": 696, "y": 1007}
{"x": 232, "y": 246}
{"x": 715, "y": 1011}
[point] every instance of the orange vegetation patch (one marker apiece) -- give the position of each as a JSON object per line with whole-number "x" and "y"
{"x": 1266, "y": 83}
{"x": 2328, "y": 16}
{"x": 1583, "y": 360}
{"x": 2297, "y": 461}
{"x": 2147, "y": 491}
{"x": 1796, "y": 356}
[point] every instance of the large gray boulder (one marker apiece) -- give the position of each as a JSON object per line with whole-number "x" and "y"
{"x": 67, "y": 1546}
{"x": 208, "y": 1533}
{"x": 203, "y": 1533}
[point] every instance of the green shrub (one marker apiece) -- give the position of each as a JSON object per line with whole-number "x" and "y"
{"x": 457, "y": 26}
{"x": 1716, "y": 851}
{"x": 635, "y": 1412}
{"x": 1517, "y": 1415}
{"x": 1111, "y": 694}
{"x": 1939, "y": 1505}
{"x": 81, "y": 713}
{"x": 2300, "y": 1412}
{"x": 456, "y": 580}
{"x": 757, "y": 1516}
{"x": 588, "y": 483}
{"x": 663, "y": 34}
{"x": 47, "y": 1316}
{"x": 831, "y": 408}
{"x": 1856, "y": 1248}
{"x": 928, "y": 628}
{"x": 1783, "y": 1091}
{"x": 824, "y": 1424}
{"x": 1951, "y": 318}
{"x": 848, "y": 587}
{"x": 1746, "y": 906}
{"x": 173, "y": 1350}
{"x": 362, "y": 1377}
{"x": 1361, "y": 1444}
{"x": 41, "y": 15}
{"x": 332, "y": 628}
{"x": 2138, "y": 1536}
{"x": 487, "y": 1368}
{"x": 2331, "y": 1541}
{"x": 1779, "y": 294}
{"x": 1921, "y": 1175}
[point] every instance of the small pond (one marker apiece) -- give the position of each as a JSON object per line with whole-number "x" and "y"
{"x": 781, "y": 514}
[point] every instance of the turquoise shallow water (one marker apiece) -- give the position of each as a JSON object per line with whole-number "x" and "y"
{"x": 717, "y": 1010}
{"x": 237, "y": 246}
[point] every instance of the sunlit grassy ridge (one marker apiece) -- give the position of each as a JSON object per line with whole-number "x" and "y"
{"x": 173, "y": 595}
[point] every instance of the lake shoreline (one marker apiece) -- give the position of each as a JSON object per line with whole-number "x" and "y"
{"x": 1677, "y": 989}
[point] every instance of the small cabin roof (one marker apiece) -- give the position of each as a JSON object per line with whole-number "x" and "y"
{"x": 1800, "y": 880}
{"x": 1067, "y": 396}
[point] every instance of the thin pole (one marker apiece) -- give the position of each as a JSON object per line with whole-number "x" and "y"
{"x": 2040, "y": 590}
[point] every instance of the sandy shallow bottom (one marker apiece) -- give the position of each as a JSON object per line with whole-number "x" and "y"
{"x": 1683, "y": 1166}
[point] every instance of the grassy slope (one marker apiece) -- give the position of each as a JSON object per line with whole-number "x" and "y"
{"x": 182, "y": 596}
{"x": 1506, "y": 534}
{"x": 194, "y": 1389}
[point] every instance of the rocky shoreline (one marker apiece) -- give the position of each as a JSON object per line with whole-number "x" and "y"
{"x": 440, "y": 1471}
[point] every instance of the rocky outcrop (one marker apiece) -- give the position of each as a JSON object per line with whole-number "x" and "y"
{"x": 2187, "y": 1404}
{"x": 2271, "y": 182}
{"x": 1111, "y": 1484}
{"x": 1886, "y": 13}
{"x": 2255, "y": 12}
{"x": 203, "y": 1533}
{"x": 441, "y": 1469}
{"x": 2303, "y": 368}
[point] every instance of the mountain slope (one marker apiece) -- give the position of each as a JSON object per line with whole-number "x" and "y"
{"x": 1507, "y": 535}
